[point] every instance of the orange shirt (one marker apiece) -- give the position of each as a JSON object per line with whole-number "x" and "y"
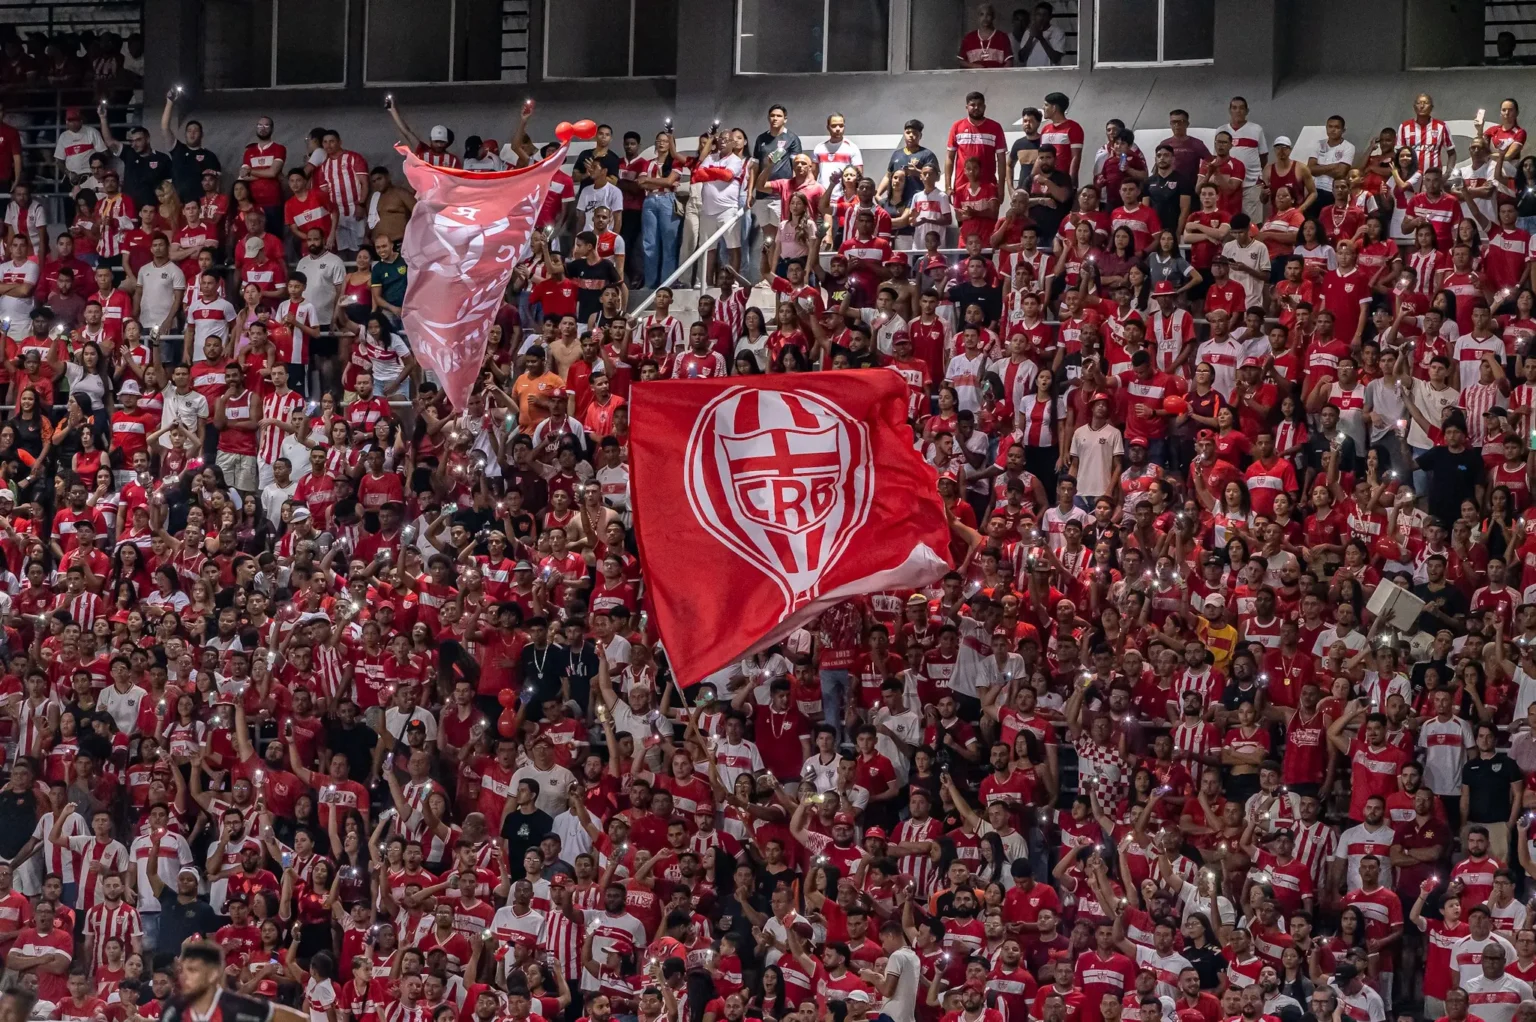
{"x": 526, "y": 386}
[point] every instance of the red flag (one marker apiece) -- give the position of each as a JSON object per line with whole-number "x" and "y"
{"x": 760, "y": 504}
{"x": 466, "y": 233}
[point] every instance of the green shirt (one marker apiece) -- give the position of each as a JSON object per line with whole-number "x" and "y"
{"x": 389, "y": 277}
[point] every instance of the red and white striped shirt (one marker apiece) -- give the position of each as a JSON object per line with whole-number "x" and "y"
{"x": 58, "y": 858}
{"x": 1194, "y": 739}
{"x": 1034, "y": 420}
{"x": 87, "y": 851}
{"x": 105, "y": 920}
{"x": 919, "y": 867}
{"x": 276, "y": 406}
{"x": 1315, "y": 845}
{"x": 339, "y": 181}
{"x": 1430, "y": 142}
{"x": 114, "y": 214}
{"x": 562, "y": 937}
{"x": 672, "y": 331}
{"x": 83, "y": 609}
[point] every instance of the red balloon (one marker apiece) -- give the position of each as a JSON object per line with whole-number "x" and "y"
{"x": 507, "y": 697}
{"x": 585, "y": 129}
{"x": 565, "y": 131}
{"x": 1175, "y": 404}
{"x": 506, "y": 728}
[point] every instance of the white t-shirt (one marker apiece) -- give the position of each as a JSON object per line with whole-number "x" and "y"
{"x": 1248, "y": 145}
{"x": 273, "y": 497}
{"x": 36, "y": 220}
{"x": 208, "y": 319}
{"x": 187, "y": 409}
{"x": 323, "y": 277}
{"x": 1476, "y": 177}
{"x": 901, "y": 1006}
{"x": 1256, "y": 255}
{"x": 162, "y": 287}
{"x": 554, "y": 786}
{"x": 1095, "y": 451}
{"x": 1495, "y": 1000}
{"x": 1053, "y": 37}
{"x": 18, "y": 310}
{"x": 320, "y": 995}
{"x": 1327, "y": 153}
{"x": 1366, "y": 1006}
{"x": 718, "y": 198}
{"x": 123, "y": 707}
{"x": 75, "y": 148}
{"x": 830, "y": 159}
{"x": 590, "y": 198}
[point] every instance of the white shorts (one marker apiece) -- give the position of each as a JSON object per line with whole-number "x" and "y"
{"x": 708, "y": 225}
{"x": 769, "y": 212}
{"x": 240, "y": 471}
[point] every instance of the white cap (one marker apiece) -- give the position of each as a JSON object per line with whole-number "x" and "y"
{"x": 1284, "y": 140}
{"x": 1215, "y": 600}
{"x": 299, "y": 514}
{"x": 439, "y": 133}
{"x": 129, "y": 387}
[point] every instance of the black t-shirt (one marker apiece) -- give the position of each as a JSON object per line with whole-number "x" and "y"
{"x": 1453, "y": 602}
{"x": 611, "y": 160}
{"x": 1454, "y": 477}
{"x": 912, "y": 163}
{"x": 580, "y": 665}
{"x": 179, "y": 921}
{"x": 143, "y": 172}
{"x": 542, "y": 669}
{"x": 590, "y": 280}
{"x": 187, "y": 166}
{"x": 1489, "y": 781}
{"x": 357, "y": 743}
{"x": 1022, "y": 174}
{"x": 989, "y": 298}
{"x": 18, "y": 818}
{"x": 779, "y": 150}
{"x": 524, "y": 831}
{"x": 1163, "y": 196}
{"x": 1049, "y": 215}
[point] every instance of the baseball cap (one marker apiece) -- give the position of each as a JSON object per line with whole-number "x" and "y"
{"x": 439, "y": 133}
{"x": 1205, "y": 434}
{"x": 976, "y": 985}
{"x": 874, "y": 832}
{"x": 523, "y": 566}
{"x": 896, "y": 259}
{"x": 71, "y": 113}
{"x": 842, "y": 820}
{"x": 917, "y": 600}
{"x": 1284, "y": 140}
{"x": 1345, "y": 972}
{"x": 1135, "y": 441}
{"x": 299, "y": 514}
{"x": 1163, "y": 287}
{"x": 1215, "y": 600}
{"x": 858, "y": 995}
{"x": 130, "y": 387}
{"x": 559, "y": 880}
{"x": 1252, "y": 362}
{"x": 1100, "y": 396}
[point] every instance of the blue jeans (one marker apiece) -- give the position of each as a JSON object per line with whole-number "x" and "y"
{"x": 659, "y": 227}
{"x": 834, "y": 688}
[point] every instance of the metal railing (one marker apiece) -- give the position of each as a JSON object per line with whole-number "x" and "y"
{"x": 706, "y": 246}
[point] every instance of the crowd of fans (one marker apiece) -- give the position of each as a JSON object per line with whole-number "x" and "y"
{"x": 323, "y": 692}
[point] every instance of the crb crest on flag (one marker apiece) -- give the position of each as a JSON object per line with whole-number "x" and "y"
{"x": 792, "y": 494}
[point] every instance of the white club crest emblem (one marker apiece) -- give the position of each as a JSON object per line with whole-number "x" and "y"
{"x": 782, "y": 478}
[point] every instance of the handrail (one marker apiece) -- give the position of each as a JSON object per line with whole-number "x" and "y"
{"x": 687, "y": 264}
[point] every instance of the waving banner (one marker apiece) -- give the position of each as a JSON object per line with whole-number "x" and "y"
{"x": 467, "y": 232}
{"x": 793, "y": 492}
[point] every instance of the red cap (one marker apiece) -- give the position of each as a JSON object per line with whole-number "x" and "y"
{"x": 842, "y": 820}
{"x": 1205, "y": 434}
{"x": 560, "y": 880}
{"x": 897, "y": 258}
{"x": 1252, "y": 362}
{"x": 71, "y": 113}
{"x": 1162, "y": 288}
{"x": 1100, "y": 396}
{"x": 874, "y": 832}
{"x": 976, "y": 985}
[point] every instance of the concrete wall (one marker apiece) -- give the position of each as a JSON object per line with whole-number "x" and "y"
{"x": 1296, "y": 61}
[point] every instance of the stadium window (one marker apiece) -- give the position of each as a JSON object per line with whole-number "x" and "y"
{"x": 274, "y": 43}
{"x": 610, "y": 39}
{"x": 812, "y": 36}
{"x": 427, "y": 42}
{"x": 1138, "y": 33}
{"x": 1472, "y": 34}
{"x": 1036, "y": 35}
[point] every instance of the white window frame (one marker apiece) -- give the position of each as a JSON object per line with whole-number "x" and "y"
{"x": 1162, "y": 21}
{"x": 629, "y": 72}
{"x": 453, "y": 56}
{"x": 272, "y": 68}
{"x": 893, "y": 9}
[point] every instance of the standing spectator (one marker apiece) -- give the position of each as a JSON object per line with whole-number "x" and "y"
{"x": 833, "y": 155}
{"x": 434, "y": 151}
{"x": 75, "y": 146}
{"x": 987, "y": 46}
{"x": 1252, "y": 151}
{"x": 1189, "y": 153}
{"x": 389, "y": 206}
{"x": 911, "y": 157}
{"x": 262, "y": 166}
{"x": 144, "y": 167}
{"x": 189, "y": 158}
{"x": 1428, "y": 136}
{"x": 773, "y": 155}
{"x": 1492, "y": 788}
{"x": 1041, "y": 43}
{"x": 976, "y": 136}
{"x": 344, "y": 181}
{"x": 1331, "y": 162}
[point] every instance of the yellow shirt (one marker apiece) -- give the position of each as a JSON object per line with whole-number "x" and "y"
{"x": 1222, "y": 642}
